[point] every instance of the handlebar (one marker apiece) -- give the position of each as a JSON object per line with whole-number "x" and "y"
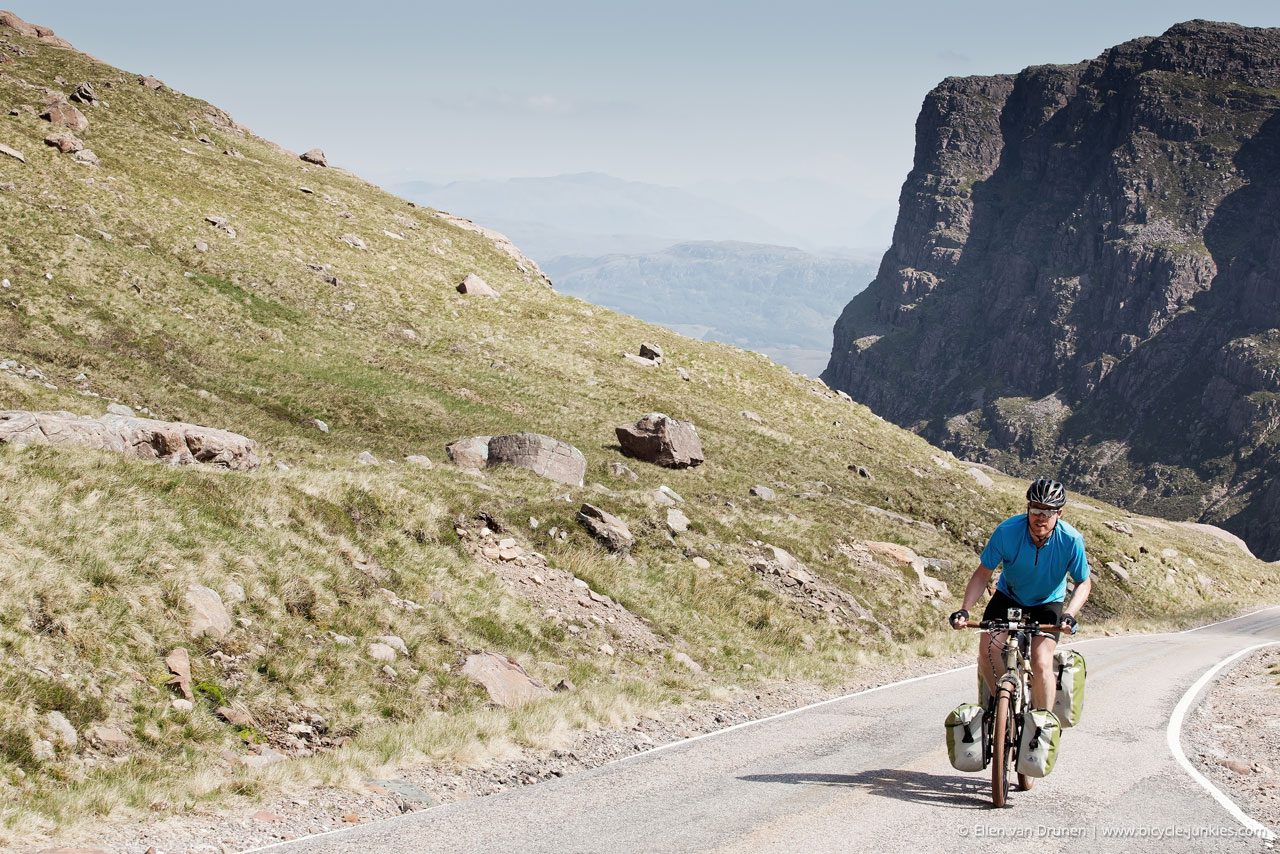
{"x": 1006, "y": 626}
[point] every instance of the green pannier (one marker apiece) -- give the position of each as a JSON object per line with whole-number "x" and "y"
{"x": 1038, "y": 749}
{"x": 1069, "y": 671}
{"x": 964, "y": 738}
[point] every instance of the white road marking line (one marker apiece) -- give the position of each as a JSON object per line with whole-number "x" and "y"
{"x": 1231, "y": 620}
{"x": 1174, "y": 737}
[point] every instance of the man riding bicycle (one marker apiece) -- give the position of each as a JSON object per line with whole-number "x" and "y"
{"x": 1038, "y": 551}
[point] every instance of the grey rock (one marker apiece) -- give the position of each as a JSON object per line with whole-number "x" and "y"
{"x": 1118, "y": 571}
{"x": 366, "y": 458}
{"x": 686, "y": 662}
{"x": 677, "y": 522}
{"x": 618, "y": 470}
{"x": 473, "y": 285}
{"x": 542, "y": 455}
{"x": 319, "y": 425}
{"x": 119, "y": 409}
{"x": 381, "y": 652}
{"x": 471, "y": 453}
{"x": 418, "y": 460}
{"x": 42, "y": 750}
{"x": 639, "y": 360}
{"x": 62, "y": 732}
{"x": 683, "y": 374}
{"x": 506, "y": 682}
{"x": 64, "y": 142}
{"x": 763, "y": 492}
{"x": 315, "y": 156}
{"x": 353, "y": 241}
{"x": 67, "y": 116}
{"x": 607, "y": 528}
{"x": 659, "y": 439}
{"x": 13, "y": 152}
{"x": 206, "y": 613}
{"x": 395, "y": 642}
{"x": 173, "y": 442}
{"x": 751, "y": 416}
{"x": 652, "y": 352}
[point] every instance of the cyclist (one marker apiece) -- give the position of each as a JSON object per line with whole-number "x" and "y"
{"x": 1038, "y": 550}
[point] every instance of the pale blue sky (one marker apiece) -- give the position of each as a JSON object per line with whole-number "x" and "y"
{"x": 666, "y": 92}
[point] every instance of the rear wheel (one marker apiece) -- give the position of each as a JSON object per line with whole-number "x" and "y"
{"x": 1001, "y": 754}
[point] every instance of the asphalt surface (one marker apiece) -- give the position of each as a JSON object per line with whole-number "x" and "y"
{"x": 869, "y": 773}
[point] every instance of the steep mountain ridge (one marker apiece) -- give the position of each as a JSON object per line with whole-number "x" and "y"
{"x": 1082, "y": 278}
{"x": 197, "y": 273}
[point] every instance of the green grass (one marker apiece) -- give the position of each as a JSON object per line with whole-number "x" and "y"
{"x": 97, "y": 550}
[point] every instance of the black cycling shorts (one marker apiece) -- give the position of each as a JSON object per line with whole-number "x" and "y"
{"x": 998, "y": 609}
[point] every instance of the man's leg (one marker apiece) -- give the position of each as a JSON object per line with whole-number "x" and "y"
{"x": 1043, "y": 686}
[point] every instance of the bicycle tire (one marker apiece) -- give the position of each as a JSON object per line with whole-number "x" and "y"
{"x": 1000, "y": 753}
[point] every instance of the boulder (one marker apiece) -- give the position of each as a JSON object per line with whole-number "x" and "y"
{"x": 677, "y": 522}
{"x": 85, "y": 94}
{"x": 418, "y": 460}
{"x": 381, "y": 652}
{"x": 173, "y": 442}
{"x": 504, "y": 679}
{"x": 353, "y": 241}
{"x": 640, "y": 360}
{"x": 179, "y": 663}
{"x": 18, "y": 25}
{"x": 208, "y": 616}
{"x": 471, "y": 453}
{"x": 659, "y": 439}
{"x": 683, "y": 374}
{"x": 106, "y": 737}
{"x": 84, "y": 155}
{"x": 149, "y": 82}
{"x": 931, "y": 587}
{"x": 753, "y": 417}
{"x": 64, "y": 142}
{"x": 61, "y": 729}
{"x": 607, "y": 528}
{"x": 981, "y": 478}
{"x": 618, "y": 470}
{"x": 651, "y": 351}
{"x": 685, "y": 661}
{"x": 542, "y": 455}
{"x": 473, "y": 285}
{"x": 67, "y": 116}
{"x": 315, "y": 156}
{"x": 701, "y": 562}
{"x": 366, "y": 458}
{"x": 1118, "y": 571}
{"x": 764, "y": 493}
{"x": 13, "y": 152}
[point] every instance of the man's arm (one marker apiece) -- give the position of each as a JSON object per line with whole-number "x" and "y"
{"x": 1079, "y": 597}
{"x": 973, "y": 590}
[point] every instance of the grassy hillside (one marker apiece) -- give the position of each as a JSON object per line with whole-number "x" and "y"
{"x": 105, "y": 280}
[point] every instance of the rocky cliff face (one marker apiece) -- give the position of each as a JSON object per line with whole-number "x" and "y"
{"x": 1084, "y": 277}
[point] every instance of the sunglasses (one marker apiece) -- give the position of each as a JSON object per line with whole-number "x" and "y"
{"x": 1042, "y": 511}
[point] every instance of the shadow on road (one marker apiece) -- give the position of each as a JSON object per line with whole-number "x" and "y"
{"x": 960, "y": 792}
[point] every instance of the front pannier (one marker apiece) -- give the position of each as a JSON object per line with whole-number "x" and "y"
{"x": 964, "y": 738}
{"x": 1038, "y": 749}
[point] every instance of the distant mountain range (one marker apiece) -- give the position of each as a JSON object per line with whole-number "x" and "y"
{"x": 704, "y": 266}
{"x": 773, "y": 299}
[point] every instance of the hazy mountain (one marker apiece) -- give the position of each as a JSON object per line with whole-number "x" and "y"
{"x": 775, "y": 300}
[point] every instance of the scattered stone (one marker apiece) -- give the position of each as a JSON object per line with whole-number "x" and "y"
{"x": 607, "y": 528}
{"x": 563, "y": 685}
{"x": 315, "y": 156}
{"x": 366, "y": 458}
{"x": 701, "y": 563}
{"x": 1119, "y": 527}
{"x": 42, "y": 750}
{"x": 220, "y": 223}
{"x": 267, "y": 817}
{"x": 1169, "y": 554}
{"x": 395, "y": 642}
{"x": 62, "y": 731}
{"x": 418, "y": 460}
{"x": 1118, "y": 571}
{"x": 605, "y": 649}
{"x": 931, "y": 587}
{"x": 149, "y": 82}
{"x": 319, "y": 425}
{"x": 64, "y": 142}
{"x": 173, "y": 442}
{"x": 688, "y": 663}
{"x": 119, "y": 409}
{"x": 353, "y": 241}
{"x": 306, "y": 190}
{"x": 763, "y": 492}
{"x": 677, "y": 522}
{"x": 808, "y": 643}
{"x": 208, "y": 616}
{"x": 471, "y": 453}
{"x": 542, "y": 455}
{"x": 618, "y": 470}
{"x": 13, "y": 152}
{"x": 1236, "y": 765}
{"x": 667, "y": 493}
{"x": 982, "y": 478}
{"x": 179, "y": 663}
{"x": 181, "y": 705}
{"x": 683, "y": 374}
{"x": 201, "y": 246}
{"x": 639, "y": 360}
{"x": 106, "y": 737}
{"x": 751, "y": 416}
{"x": 473, "y": 285}
{"x": 381, "y": 652}
{"x": 266, "y": 756}
{"x": 659, "y": 439}
{"x": 862, "y": 471}
{"x": 64, "y": 115}
{"x": 504, "y": 679}
{"x": 652, "y": 352}
{"x": 232, "y": 593}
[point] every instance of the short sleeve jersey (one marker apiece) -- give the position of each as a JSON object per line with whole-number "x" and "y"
{"x": 1034, "y": 576}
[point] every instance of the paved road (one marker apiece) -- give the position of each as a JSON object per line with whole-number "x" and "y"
{"x": 869, "y": 773}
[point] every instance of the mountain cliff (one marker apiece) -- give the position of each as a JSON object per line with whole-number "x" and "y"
{"x": 1082, "y": 277}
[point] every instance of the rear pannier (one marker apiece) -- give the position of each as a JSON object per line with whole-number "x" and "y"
{"x": 1068, "y": 671}
{"x": 964, "y": 738}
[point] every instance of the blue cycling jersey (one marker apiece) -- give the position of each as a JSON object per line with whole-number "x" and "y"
{"x": 1034, "y": 576}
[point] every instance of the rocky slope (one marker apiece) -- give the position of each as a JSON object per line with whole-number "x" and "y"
{"x": 1083, "y": 278}
{"x": 341, "y": 597}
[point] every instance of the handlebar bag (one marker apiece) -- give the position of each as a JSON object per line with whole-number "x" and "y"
{"x": 1038, "y": 749}
{"x": 1069, "y": 672}
{"x": 964, "y": 737}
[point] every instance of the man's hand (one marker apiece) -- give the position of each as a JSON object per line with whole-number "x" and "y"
{"x": 1068, "y": 623}
{"x": 959, "y": 619}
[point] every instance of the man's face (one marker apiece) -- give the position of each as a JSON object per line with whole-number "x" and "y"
{"x": 1041, "y": 520}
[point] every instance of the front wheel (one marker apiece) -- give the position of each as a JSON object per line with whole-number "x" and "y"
{"x": 1001, "y": 754}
